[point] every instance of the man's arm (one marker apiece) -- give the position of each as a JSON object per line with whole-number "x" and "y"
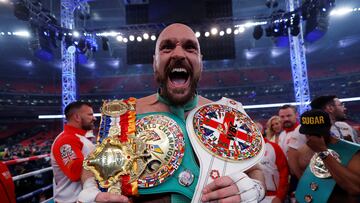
{"x": 68, "y": 155}
{"x": 91, "y": 193}
{"x": 256, "y": 173}
{"x": 283, "y": 168}
{"x": 293, "y": 161}
{"x": 348, "y": 178}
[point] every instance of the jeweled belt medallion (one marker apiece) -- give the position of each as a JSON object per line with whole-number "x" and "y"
{"x": 317, "y": 166}
{"x": 165, "y": 143}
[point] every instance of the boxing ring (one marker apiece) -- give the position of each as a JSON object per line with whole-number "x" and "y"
{"x": 30, "y": 174}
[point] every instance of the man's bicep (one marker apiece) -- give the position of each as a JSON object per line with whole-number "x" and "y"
{"x": 255, "y": 172}
{"x": 354, "y": 164}
{"x": 293, "y": 161}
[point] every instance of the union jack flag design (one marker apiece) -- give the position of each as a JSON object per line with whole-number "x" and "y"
{"x": 226, "y": 132}
{"x": 67, "y": 154}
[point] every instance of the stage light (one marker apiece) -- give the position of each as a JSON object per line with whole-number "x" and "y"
{"x": 214, "y": 31}
{"x": 125, "y": 40}
{"x": 52, "y": 36}
{"x": 21, "y": 11}
{"x": 228, "y": 30}
{"x": 71, "y": 49}
{"x": 69, "y": 41}
{"x": 197, "y": 34}
{"x": 153, "y": 37}
{"x": 84, "y": 10}
{"x": 60, "y": 36}
{"x": 105, "y": 43}
{"x": 22, "y": 33}
{"x": 340, "y": 11}
{"x": 76, "y": 34}
{"x": 207, "y": 34}
{"x": 258, "y": 32}
{"x": 139, "y": 39}
{"x": 119, "y": 38}
{"x": 316, "y": 26}
{"x": 241, "y": 29}
{"x": 41, "y": 44}
{"x": 221, "y": 33}
{"x": 146, "y": 36}
{"x": 131, "y": 38}
{"x": 236, "y": 31}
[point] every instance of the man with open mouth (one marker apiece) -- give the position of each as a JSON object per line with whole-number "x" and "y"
{"x": 177, "y": 67}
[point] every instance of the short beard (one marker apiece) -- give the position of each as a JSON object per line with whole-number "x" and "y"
{"x": 340, "y": 118}
{"x": 87, "y": 127}
{"x": 162, "y": 79}
{"x": 288, "y": 125}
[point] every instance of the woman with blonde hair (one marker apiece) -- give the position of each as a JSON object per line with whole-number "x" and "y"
{"x": 273, "y": 129}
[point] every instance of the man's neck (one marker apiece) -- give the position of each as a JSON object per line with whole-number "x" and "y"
{"x": 73, "y": 124}
{"x": 332, "y": 119}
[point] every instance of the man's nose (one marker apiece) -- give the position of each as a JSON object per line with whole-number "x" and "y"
{"x": 179, "y": 52}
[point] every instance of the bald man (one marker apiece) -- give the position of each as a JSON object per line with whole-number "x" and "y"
{"x": 177, "y": 67}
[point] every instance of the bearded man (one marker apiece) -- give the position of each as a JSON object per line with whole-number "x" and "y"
{"x": 177, "y": 67}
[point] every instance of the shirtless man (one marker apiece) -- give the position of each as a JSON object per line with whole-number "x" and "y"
{"x": 343, "y": 185}
{"x": 177, "y": 67}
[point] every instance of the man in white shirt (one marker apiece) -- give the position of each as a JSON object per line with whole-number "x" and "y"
{"x": 337, "y": 113}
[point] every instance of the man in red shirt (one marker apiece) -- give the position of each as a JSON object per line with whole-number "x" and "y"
{"x": 7, "y": 187}
{"x": 69, "y": 150}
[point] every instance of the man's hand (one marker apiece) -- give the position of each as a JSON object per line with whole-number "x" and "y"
{"x": 109, "y": 197}
{"x": 316, "y": 143}
{"x": 222, "y": 190}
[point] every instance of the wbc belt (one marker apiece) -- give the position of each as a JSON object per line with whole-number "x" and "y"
{"x": 224, "y": 139}
{"x": 152, "y": 156}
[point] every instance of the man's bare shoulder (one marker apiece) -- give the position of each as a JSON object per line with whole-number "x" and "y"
{"x": 203, "y": 100}
{"x": 305, "y": 155}
{"x": 142, "y": 104}
{"x": 150, "y": 104}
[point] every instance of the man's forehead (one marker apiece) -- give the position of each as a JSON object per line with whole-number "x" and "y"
{"x": 286, "y": 111}
{"x": 178, "y": 32}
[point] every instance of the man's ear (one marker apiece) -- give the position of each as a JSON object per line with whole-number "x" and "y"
{"x": 77, "y": 117}
{"x": 329, "y": 108}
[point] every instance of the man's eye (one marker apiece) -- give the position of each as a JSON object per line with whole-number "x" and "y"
{"x": 190, "y": 47}
{"x": 167, "y": 47}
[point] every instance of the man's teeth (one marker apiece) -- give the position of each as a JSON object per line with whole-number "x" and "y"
{"x": 179, "y": 70}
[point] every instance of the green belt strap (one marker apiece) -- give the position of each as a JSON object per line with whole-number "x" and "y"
{"x": 171, "y": 184}
{"x": 346, "y": 150}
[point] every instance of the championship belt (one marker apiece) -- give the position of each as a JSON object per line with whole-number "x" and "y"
{"x": 142, "y": 158}
{"x": 120, "y": 158}
{"x": 225, "y": 140}
{"x": 316, "y": 183}
{"x": 172, "y": 167}
{"x": 317, "y": 166}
